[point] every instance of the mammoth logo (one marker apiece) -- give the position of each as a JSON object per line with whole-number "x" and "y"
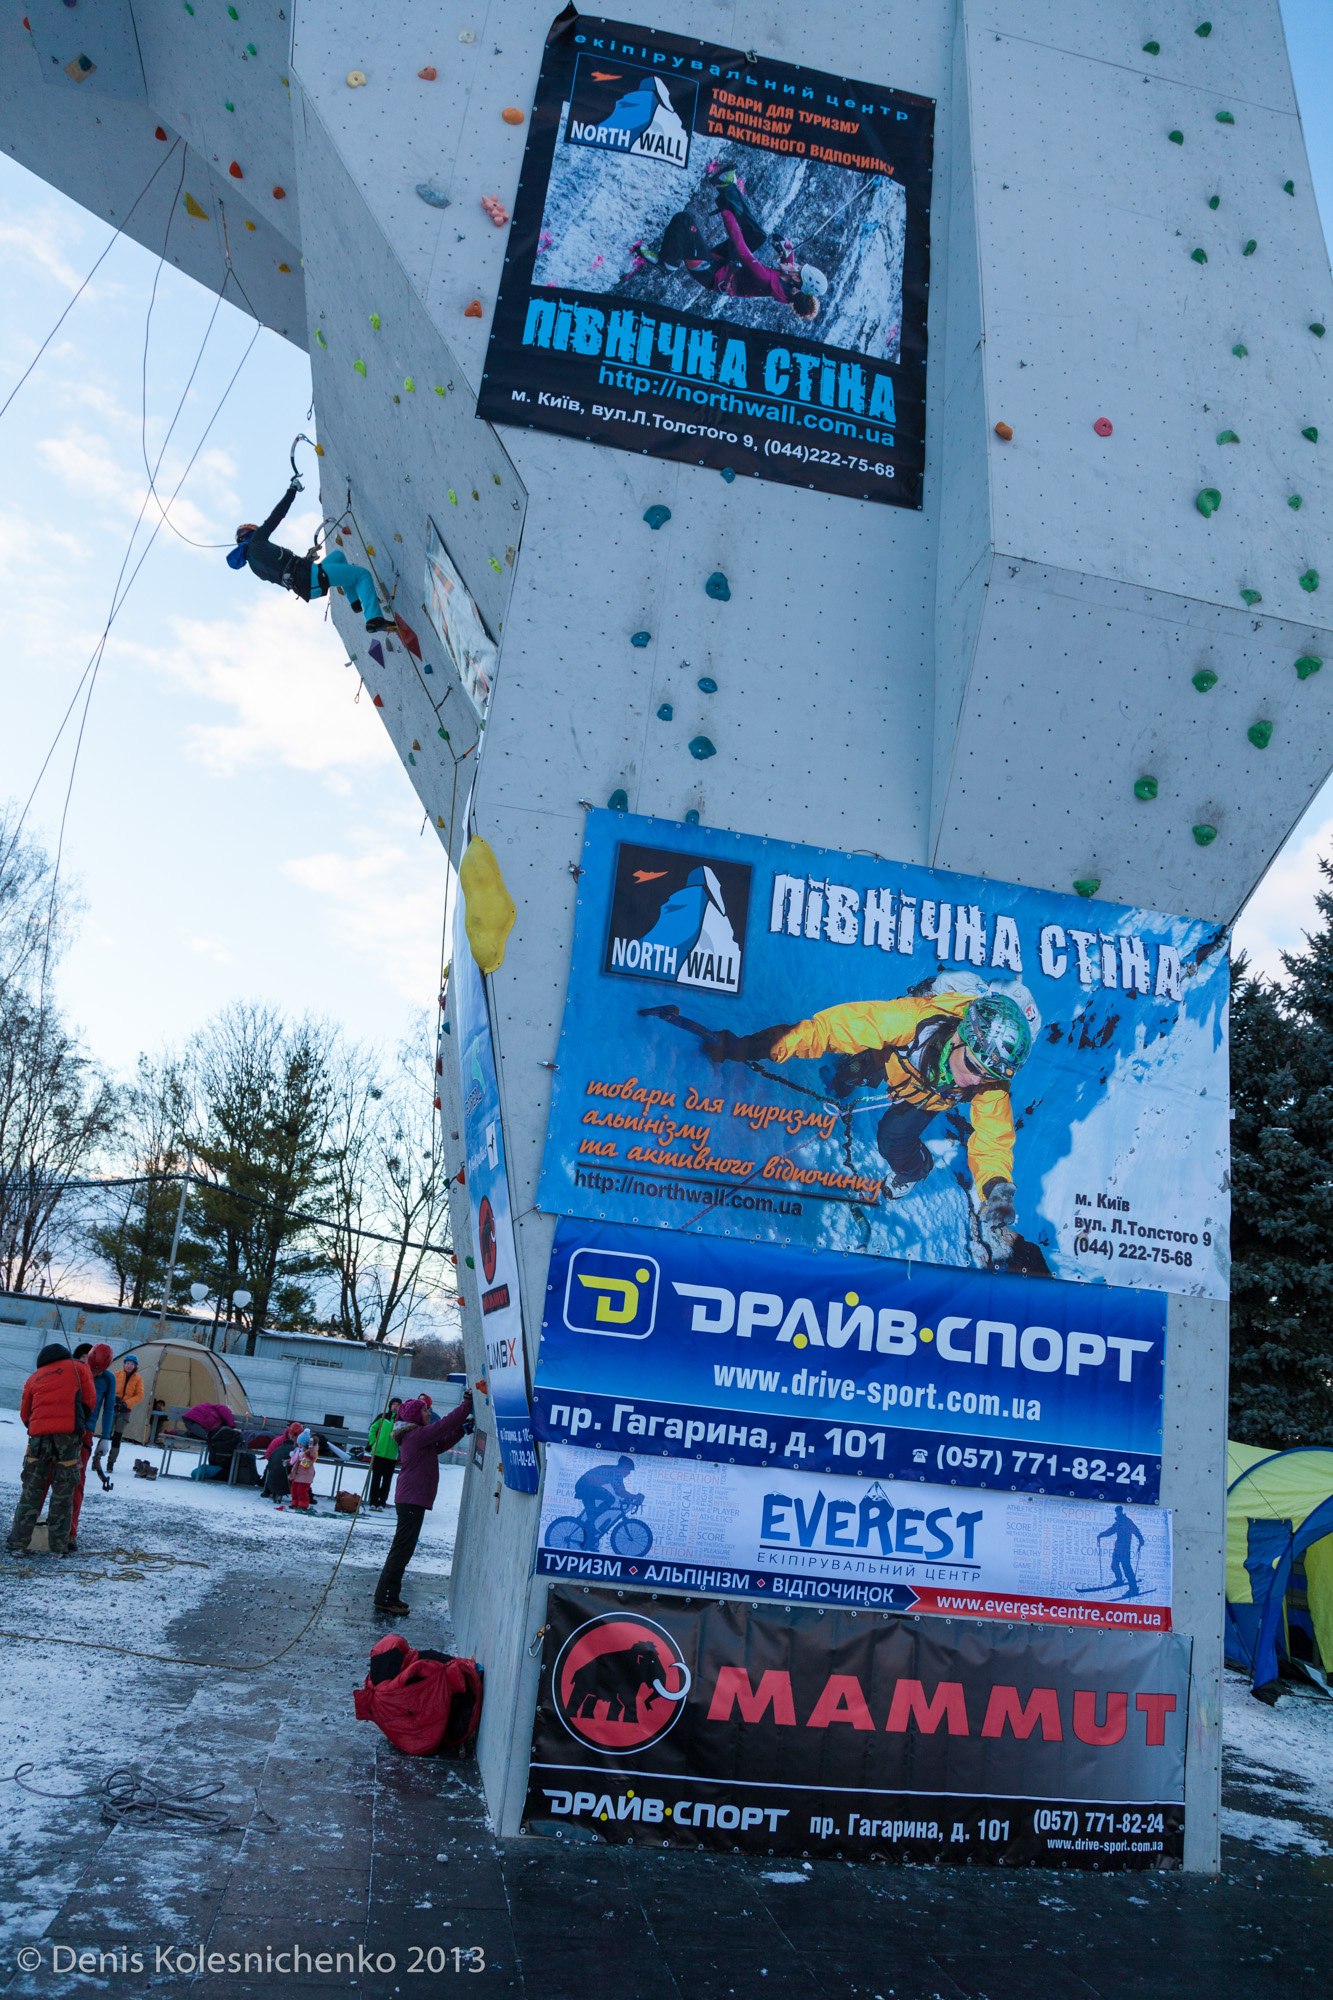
{"x": 619, "y": 1683}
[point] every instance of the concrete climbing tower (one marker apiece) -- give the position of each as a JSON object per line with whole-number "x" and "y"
{"x": 1086, "y": 663}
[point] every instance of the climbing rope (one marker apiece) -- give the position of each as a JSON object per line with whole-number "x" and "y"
{"x": 128, "y": 1797}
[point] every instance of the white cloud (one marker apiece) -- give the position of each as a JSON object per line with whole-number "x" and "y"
{"x": 1282, "y": 908}
{"x": 98, "y": 470}
{"x": 276, "y": 670}
{"x": 37, "y": 242}
{"x": 211, "y": 948}
{"x": 397, "y": 929}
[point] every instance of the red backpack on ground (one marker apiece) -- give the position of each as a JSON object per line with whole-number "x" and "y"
{"x": 427, "y": 1704}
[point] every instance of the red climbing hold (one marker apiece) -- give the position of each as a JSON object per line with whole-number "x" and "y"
{"x": 279, "y": 194}
{"x": 158, "y": 132}
{"x": 1103, "y": 427}
{"x": 407, "y": 635}
{"x": 235, "y": 172}
{"x": 472, "y": 310}
{"x": 428, "y": 74}
{"x": 379, "y": 701}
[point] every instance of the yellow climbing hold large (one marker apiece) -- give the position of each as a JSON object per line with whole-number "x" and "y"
{"x": 488, "y": 907}
{"x": 192, "y": 208}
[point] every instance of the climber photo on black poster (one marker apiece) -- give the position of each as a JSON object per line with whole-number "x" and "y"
{"x": 719, "y": 259}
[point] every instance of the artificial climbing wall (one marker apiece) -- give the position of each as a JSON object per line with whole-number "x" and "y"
{"x": 1093, "y": 656}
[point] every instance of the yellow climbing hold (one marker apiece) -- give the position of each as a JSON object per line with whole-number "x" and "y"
{"x": 488, "y": 907}
{"x": 355, "y": 78}
{"x": 192, "y": 208}
{"x": 370, "y": 548}
{"x": 319, "y": 451}
{"x": 249, "y": 224}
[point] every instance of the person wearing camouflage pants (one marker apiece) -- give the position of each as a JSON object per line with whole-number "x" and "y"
{"x": 54, "y": 1458}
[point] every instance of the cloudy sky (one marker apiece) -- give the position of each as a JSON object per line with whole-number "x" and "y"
{"x": 239, "y": 826}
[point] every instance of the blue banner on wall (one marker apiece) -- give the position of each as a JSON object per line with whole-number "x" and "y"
{"x": 662, "y": 1344}
{"x": 827, "y": 1049}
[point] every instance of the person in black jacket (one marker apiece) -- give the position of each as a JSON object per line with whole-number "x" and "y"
{"x": 308, "y": 579}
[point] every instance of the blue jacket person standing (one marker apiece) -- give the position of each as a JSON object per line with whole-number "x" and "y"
{"x": 255, "y": 549}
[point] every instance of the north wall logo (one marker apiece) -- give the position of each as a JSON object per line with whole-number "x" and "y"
{"x": 620, "y": 109}
{"x": 677, "y": 919}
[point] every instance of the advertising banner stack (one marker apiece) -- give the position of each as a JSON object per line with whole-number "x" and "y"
{"x": 872, "y": 1182}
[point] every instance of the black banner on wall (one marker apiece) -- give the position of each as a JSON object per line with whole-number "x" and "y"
{"x": 778, "y": 1730}
{"x": 719, "y": 259}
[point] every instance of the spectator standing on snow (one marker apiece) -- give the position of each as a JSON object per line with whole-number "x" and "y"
{"x": 129, "y": 1395}
{"x": 420, "y": 1443}
{"x": 103, "y": 1418}
{"x": 383, "y": 1454}
{"x": 277, "y": 1457}
{"x": 55, "y": 1406}
{"x": 301, "y": 1472}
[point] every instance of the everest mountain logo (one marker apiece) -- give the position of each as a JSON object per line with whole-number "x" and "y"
{"x": 678, "y": 919}
{"x": 631, "y": 112}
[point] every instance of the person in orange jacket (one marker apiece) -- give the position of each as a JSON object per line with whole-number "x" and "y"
{"x": 56, "y": 1406}
{"x": 129, "y": 1395}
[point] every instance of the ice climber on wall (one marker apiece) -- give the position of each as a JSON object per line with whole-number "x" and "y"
{"x": 309, "y": 576}
{"x": 731, "y": 266}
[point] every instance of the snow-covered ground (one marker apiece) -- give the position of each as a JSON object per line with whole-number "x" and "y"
{"x": 149, "y": 1551}
{"x": 1279, "y": 1762}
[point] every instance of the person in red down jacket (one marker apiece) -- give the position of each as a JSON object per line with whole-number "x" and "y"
{"x": 56, "y": 1404}
{"x": 420, "y": 1442}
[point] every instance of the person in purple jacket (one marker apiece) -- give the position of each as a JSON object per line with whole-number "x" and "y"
{"x": 420, "y": 1441}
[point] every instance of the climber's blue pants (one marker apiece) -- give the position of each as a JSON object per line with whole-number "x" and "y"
{"x": 357, "y": 585}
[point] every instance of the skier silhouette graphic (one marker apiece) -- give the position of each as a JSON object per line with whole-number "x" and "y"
{"x": 1123, "y": 1534}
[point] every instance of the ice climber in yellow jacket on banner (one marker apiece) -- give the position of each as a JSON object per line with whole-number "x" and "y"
{"x": 936, "y": 1052}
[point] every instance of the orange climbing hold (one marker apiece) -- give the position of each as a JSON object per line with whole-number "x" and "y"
{"x": 235, "y": 172}
{"x": 428, "y": 74}
{"x": 284, "y": 267}
{"x": 496, "y": 209}
{"x": 1004, "y": 431}
{"x": 158, "y": 132}
{"x": 279, "y": 194}
{"x": 472, "y": 310}
{"x": 512, "y": 115}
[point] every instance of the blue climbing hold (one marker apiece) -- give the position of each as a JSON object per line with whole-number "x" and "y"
{"x": 657, "y": 517}
{"x": 640, "y": 639}
{"x": 728, "y": 473}
{"x": 707, "y": 685}
{"x": 692, "y": 816}
{"x": 377, "y": 652}
{"x": 718, "y": 587}
{"x": 618, "y": 802}
{"x": 434, "y": 196}
{"x": 700, "y": 747}
{"x": 665, "y": 712}
{"x": 426, "y": 667}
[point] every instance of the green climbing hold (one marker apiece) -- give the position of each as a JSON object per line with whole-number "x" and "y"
{"x": 1308, "y": 663}
{"x": 360, "y": 367}
{"x": 1289, "y": 187}
{"x": 232, "y": 15}
{"x": 319, "y": 336}
{"x": 700, "y": 747}
{"x": 665, "y": 712}
{"x": 1294, "y": 500}
{"x": 397, "y": 398}
{"x": 692, "y": 816}
{"x": 375, "y": 321}
{"x": 411, "y": 758}
{"x": 409, "y": 385}
{"x": 1208, "y": 501}
{"x": 718, "y": 587}
{"x": 1145, "y": 788}
{"x": 1199, "y": 256}
{"x": 1318, "y": 329}
{"x": 1088, "y": 886}
{"x": 1240, "y": 350}
{"x": 1260, "y": 734}
{"x": 440, "y": 389}
{"x": 1214, "y": 201}
{"x": 1204, "y": 29}
{"x": 188, "y": 8}
{"x": 1310, "y": 580}
{"x": 1204, "y": 834}
{"x": 227, "y": 104}
{"x": 453, "y": 497}
{"x": 250, "y": 49}
{"x": 1250, "y": 247}
{"x": 1251, "y": 597}
{"x": 1204, "y": 679}
{"x": 640, "y": 639}
{"x": 1228, "y": 437}
{"x": 1152, "y": 48}
{"x": 618, "y": 801}
{"x": 1226, "y": 117}
{"x": 443, "y": 734}
{"x": 657, "y": 517}
{"x": 496, "y": 565}
{"x": 1311, "y": 433}
{"x": 1176, "y": 138}
{"x": 707, "y": 685}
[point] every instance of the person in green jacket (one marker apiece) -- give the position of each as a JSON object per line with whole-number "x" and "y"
{"x": 383, "y": 1454}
